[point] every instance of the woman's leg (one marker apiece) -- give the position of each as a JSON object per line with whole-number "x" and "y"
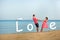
{"x": 41, "y": 29}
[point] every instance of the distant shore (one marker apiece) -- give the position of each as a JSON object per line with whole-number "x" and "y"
{"x": 51, "y": 35}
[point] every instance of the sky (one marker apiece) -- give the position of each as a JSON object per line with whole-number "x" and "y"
{"x": 12, "y": 9}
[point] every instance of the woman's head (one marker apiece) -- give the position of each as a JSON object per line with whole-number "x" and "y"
{"x": 46, "y": 18}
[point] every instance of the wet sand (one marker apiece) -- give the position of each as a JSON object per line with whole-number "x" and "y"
{"x": 51, "y": 35}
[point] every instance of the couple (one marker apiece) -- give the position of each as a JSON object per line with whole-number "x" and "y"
{"x": 44, "y": 24}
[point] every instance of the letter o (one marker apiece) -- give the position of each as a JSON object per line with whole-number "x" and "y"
{"x": 30, "y": 25}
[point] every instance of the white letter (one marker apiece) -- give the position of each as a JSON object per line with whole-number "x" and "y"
{"x": 52, "y": 25}
{"x": 30, "y": 29}
{"x": 17, "y": 27}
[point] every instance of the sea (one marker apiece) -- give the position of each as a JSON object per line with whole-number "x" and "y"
{"x": 9, "y": 26}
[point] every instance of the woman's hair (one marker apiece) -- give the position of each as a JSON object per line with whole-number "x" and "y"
{"x": 46, "y": 18}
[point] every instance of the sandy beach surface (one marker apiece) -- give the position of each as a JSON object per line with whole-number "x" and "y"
{"x": 51, "y": 35}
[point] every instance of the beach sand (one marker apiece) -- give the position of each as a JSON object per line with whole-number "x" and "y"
{"x": 51, "y": 35}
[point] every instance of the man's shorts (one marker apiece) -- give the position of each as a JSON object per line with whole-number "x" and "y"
{"x": 37, "y": 25}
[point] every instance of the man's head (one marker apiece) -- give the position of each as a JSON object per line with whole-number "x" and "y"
{"x": 33, "y": 15}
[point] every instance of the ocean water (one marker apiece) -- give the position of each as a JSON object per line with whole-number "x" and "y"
{"x": 9, "y": 26}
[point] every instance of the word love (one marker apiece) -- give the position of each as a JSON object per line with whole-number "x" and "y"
{"x": 30, "y": 27}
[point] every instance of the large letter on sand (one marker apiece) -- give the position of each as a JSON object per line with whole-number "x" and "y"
{"x": 52, "y": 25}
{"x": 30, "y": 25}
{"x": 17, "y": 27}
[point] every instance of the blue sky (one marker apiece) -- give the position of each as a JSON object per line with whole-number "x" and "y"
{"x": 12, "y": 9}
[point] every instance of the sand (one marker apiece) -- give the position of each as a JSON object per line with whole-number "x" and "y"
{"x": 51, "y": 35}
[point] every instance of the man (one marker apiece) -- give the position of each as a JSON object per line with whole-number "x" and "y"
{"x": 36, "y": 22}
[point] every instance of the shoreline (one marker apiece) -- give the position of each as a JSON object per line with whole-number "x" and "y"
{"x": 50, "y": 35}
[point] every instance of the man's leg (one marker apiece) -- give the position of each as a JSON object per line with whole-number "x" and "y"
{"x": 37, "y": 29}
